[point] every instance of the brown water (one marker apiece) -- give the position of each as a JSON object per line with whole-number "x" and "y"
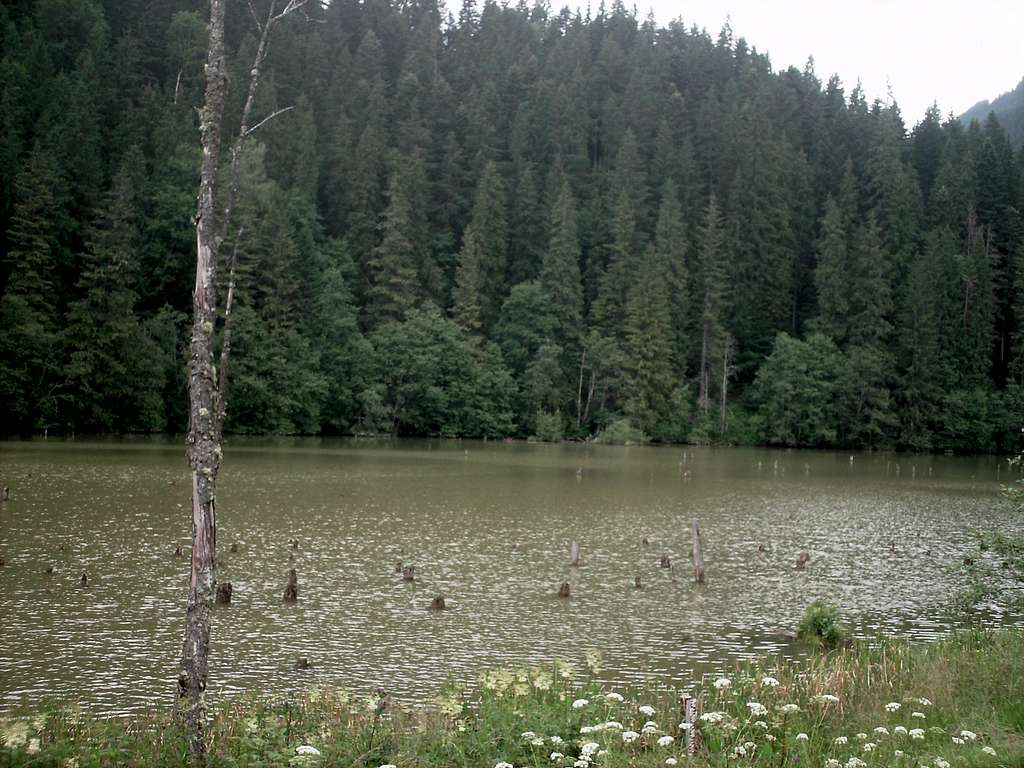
{"x": 486, "y": 524}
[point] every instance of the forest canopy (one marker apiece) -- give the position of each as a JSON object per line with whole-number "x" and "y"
{"x": 508, "y": 221}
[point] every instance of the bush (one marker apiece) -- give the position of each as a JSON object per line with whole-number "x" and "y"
{"x": 621, "y": 432}
{"x": 820, "y": 625}
{"x": 548, "y": 427}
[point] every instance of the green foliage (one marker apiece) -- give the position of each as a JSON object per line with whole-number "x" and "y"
{"x": 548, "y": 427}
{"x": 820, "y": 625}
{"x": 621, "y": 432}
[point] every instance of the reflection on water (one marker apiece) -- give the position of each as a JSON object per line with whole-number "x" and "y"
{"x": 488, "y": 526}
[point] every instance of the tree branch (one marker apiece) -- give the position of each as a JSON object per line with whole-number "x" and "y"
{"x": 225, "y": 348}
{"x": 266, "y": 119}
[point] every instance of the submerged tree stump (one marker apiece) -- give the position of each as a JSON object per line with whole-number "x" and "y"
{"x": 234, "y": 548}
{"x": 224, "y": 591}
{"x": 409, "y": 573}
{"x": 574, "y": 555}
{"x": 302, "y": 663}
{"x": 802, "y": 560}
{"x": 698, "y": 554}
{"x": 294, "y": 543}
{"x": 178, "y": 552}
{"x": 437, "y": 604}
{"x": 398, "y": 567}
{"x": 564, "y": 590}
{"x": 666, "y": 561}
{"x": 84, "y": 580}
{"x": 291, "y": 592}
{"x": 636, "y": 583}
{"x": 645, "y": 541}
{"x": 5, "y": 493}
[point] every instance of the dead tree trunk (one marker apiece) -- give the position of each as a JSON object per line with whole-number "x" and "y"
{"x": 698, "y": 554}
{"x": 207, "y": 403}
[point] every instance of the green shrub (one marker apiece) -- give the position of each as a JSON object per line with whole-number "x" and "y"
{"x": 621, "y": 432}
{"x": 548, "y": 427}
{"x": 820, "y": 625}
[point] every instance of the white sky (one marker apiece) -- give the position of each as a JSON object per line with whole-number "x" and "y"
{"x": 953, "y": 53}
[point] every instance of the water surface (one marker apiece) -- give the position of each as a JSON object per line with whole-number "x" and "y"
{"x": 487, "y": 525}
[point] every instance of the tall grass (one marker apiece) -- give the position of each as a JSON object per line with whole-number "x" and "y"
{"x": 958, "y": 702}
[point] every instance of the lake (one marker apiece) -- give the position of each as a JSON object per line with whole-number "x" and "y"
{"x": 488, "y": 525}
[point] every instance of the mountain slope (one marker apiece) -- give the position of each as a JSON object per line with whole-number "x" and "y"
{"x": 1009, "y": 108}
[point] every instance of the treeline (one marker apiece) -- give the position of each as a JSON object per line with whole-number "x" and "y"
{"x": 513, "y": 222}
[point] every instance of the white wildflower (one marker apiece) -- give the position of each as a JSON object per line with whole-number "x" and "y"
{"x": 862, "y": 736}
{"x": 855, "y": 762}
{"x": 712, "y": 717}
{"x": 917, "y": 733}
{"x": 893, "y": 706}
{"x": 503, "y": 764}
{"x": 589, "y": 748}
{"x": 969, "y": 735}
{"x": 770, "y": 737}
{"x": 537, "y": 742}
{"x": 988, "y": 751}
{"x": 586, "y": 729}
{"x": 306, "y": 749}
{"x": 958, "y": 741}
{"x": 802, "y": 736}
{"x": 580, "y": 703}
{"x": 613, "y": 696}
{"x": 555, "y": 739}
{"x": 556, "y": 756}
{"x": 840, "y": 740}
{"x": 684, "y": 726}
{"x": 832, "y": 763}
{"x": 882, "y": 730}
{"x": 528, "y": 735}
{"x": 33, "y": 746}
{"x": 722, "y": 683}
{"x": 389, "y": 765}
{"x": 761, "y": 724}
{"x": 664, "y": 741}
{"x": 917, "y": 714}
{"x": 924, "y": 702}
{"x": 940, "y": 762}
{"x": 628, "y": 737}
{"x": 670, "y": 761}
{"x": 898, "y": 753}
{"x": 646, "y": 710}
{"x": 788, "y": 709}
{"x": 757, "y": 709}
{"x": 870, "y": 746}
{"x": 581, "y": 763}
{"x": 899, "y": 730}
{"x": 612, "y": 724}
{"x": 771, "y": 682}
{"x": 827, "y": 698}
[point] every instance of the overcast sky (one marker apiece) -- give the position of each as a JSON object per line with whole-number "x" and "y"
{"x": 953, "y": 53}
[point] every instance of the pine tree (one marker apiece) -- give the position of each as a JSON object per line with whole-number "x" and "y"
{"x": 670, "y": 249}
{"x": 712, "y": 293}
{"x": 832, "y": 275}
{"x": 560, "y": 272}
{"x": 480, "y": 278}
{"x": 391, "y": 269}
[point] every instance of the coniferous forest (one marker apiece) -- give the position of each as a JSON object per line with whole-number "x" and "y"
{"x": 506, "y": 222}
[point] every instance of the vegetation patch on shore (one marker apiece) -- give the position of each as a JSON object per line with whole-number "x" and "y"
{"x": 957, "y": 702}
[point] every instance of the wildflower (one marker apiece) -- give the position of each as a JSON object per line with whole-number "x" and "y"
{"x": 826, "y": 698}
{"x": 72, "y": 762}
{"x": 613, "y": 696}
{"x": 542, "y": 681}
{"x": 646, "y": 710}
{"x": 580, "y": 703}
{"x": 940, "y": 763}
{"x": 788, "y": 709}
{"x": 855, "y": 762}
{"x": 650, "y": 725}
{"x": 389, "y": 765}
{"x": 15, "y": 734}
{"x": 840, "y": 740}
{"x": 898, "y": 753}
{"x": 882, "y": 730}
{"x": 555, "y": 739}
{"x": 586, "y": 729}
{"x": 594, "y": 661}
{"x": 802, "y": 736}
{"x": 589, "y": 748}
{"x": 917, "y": 714}
{"x": 712, "y": 717}
{"x": 771, "y": 682}
{"x": 556, "y": 756}
{"x": 749, "y": 745}
{"x": 520, "y": 689}
{"x": 503, "y": 764}
{"x": 33, "y": 746}
{"x": 988, "y": 751}
{"x": 832, "y": 763}
{"x": 581, "y": 763}
{"x": 893, "y": 706}
{"x": 761, "y": 724}
{"x": 958, "y": 741}
{"x": 664, "y": 741}
{"x": 305, "y": 749}
{"x": 538, "y": 742}
{"x": 900, "y": 730}
{"x": 722, "y": 683}
{"x": 862, "y": 736}
{"x": 757, "y": 709}
{"x": 770, "y": 737}
{"x": 916, "y": 733}
{"x": 613, "y": 724}
{"x": 670, "y": 761}
{"x": 528, "y": 735}
{"x": 684, "y": 726}
{"x": 628, "y": 737}
{"x": 738, "y": 752}
{"x": 969, "y": 735}
{"x": 924, "y": 702}
{"x": 870, "y": 746}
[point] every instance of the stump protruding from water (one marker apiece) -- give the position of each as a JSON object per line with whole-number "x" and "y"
{"x": 437, "y": 604}
{"x": 233, "y": 548}
{"x": 294, "y": 543}
{"x": 302, "y": 663}
{"x": 409, "y": 573}
{"x": 291, "y": 592}
{"x": 762, "y": 548}
{"x": 224, "y": 591}
{"x": 698, "y": 554}
{"x": 637, "y": 584}
{"x": 49, "y": 570}
{"x": 178, "y": 551}
{"x": 5, "y": 493}
{"x": 574, "y": 554}
{"x": 84, "y": 580}
{"x": 666, "y": 561}
{"x": 564, "y": 590}
{"x": 398, "y": 566}
{"x": 802, "y": 560}
{"x": 645, "y": 541}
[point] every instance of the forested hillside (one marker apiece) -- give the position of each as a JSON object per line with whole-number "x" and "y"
{"x": 512, "y": 222}
{"x": 1009, "y": 108}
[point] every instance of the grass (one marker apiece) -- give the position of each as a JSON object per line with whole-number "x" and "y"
{"x": 774, "y": 714}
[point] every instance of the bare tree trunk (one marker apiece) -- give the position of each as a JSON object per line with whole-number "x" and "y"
{"x": 203, "y": 440}
{"x": 579, "y": 390}
{"x": 726, "y": 353}
{"x": 703, "y": 396}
